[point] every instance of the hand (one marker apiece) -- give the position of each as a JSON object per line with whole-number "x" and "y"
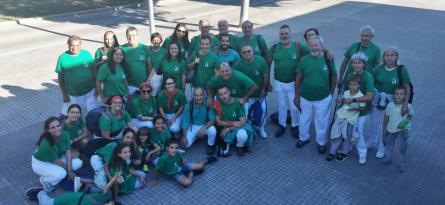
{"x": 140, "y": 149}
{"x": 347, "y": 100}
{"x": 104, "y": 57}
{"x": 66, "y": 97}
{"x": 120, "y": 180}
{"x": 71, "y": 175}
{"x": 185, "y": 142}
{"x": 269, "y": 88}
{"x": 201, "y": 132}
{"x": 242, "y": 101}
{"x": 297, "y": 102}
{"x": 238, "y": 124}
{"x": 142, "y": 179}
{"x": 339, "y": 101}
{"x": 196, "y": 61}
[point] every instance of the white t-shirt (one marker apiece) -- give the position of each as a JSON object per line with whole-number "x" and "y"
{"x": 350, "y": 116}
{"x": 393, "y": 111}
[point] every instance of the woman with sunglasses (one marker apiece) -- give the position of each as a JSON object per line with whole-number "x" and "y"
{"x": 157, "y": 54}
{"x": 112, "y": 76}
{"x": 143, "y": 107}
{"x": 171, "y": 103}
{"x": 180, "y": 36}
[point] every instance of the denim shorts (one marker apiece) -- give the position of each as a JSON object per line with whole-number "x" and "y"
{"x": 187, "y": 167}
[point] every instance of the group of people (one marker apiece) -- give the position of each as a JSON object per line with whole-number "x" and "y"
{"x": 138, "y": 116}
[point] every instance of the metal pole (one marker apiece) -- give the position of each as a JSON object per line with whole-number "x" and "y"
{"x": 244, "y": 11}
{"x": 151, "y": 17}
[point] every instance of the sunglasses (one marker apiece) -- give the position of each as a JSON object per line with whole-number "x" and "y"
{"x": 169, "y": 83}
{"x": 248, "y": 51}
{"x": 145, "y": 91}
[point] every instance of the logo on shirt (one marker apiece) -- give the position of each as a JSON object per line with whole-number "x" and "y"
{"x": 175, "y": 102}
{"x": 325, "y": 67}
{"x": 141, "y": 57}
{"x": 256, "y": 49}
{"x": 233, "y": 114}
{"x": 85, "y": 65}
{"x": 394, "y": 81}
{"x": 150, "y": 109}
{"x": 233, "y": 91}
{"x": 206, "y": 64}
{"x": 294, "y": 56}
{"x": 257, "y": 73}
{"x": 176, "y": 68}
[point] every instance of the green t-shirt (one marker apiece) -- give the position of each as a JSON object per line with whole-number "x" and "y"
{"x": 160, "y": 138}
{"x": 386, "y": 81}
{"x": 99, "y": 53}
{"x": 254, "y": 70}
{"x": 232, "y": 111}
{"x": 257, "y": 43}
{"x": 156, "y": 57}
{"x": 107, "y": 152}
{"x": 77, "y": 72}
{"x": 178, "y": 101}
{"x": 74, "y": 130}
{"x": 116, "y": 125}
{"x": 286, "y": 61}
{"x": 195, "y": 44}
{"x": 238, "y": 83}
{"x": 182, "y": 47}
{"x": 146, "y": 108}
{"x": 315, "y": 84}
{"x": 372, "y": 52}
{"x": 72, "y": 198}
{"x": 113, "y": 84}
{"x": 129, "y": 180}
{"x": 173, "y": 68}
{"x": 136, "y": 63}
{"x": 232, "y": 39}
{"x": 170, "y": 165}
{"x": 205, "y": 70}
{"x": 48, "y": 153}
{"x": 366, "y": 85}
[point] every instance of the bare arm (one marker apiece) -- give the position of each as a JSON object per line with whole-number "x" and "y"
{"x": 99, "y": 89}
{"x": 343, "y": 66}
{"x": 298, "y": 80}
{"x": 65, "y": 95}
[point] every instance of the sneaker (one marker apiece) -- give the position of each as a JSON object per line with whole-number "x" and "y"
{"x": 48, "y": 187}
{"x": 301, "y": 143}
{"x": 210, "y": 149}
{"x": 296, "y": 132}
{"x": 329, "y": 158}
{"x": 211, "y": 159}
{"x": 362, "y": 160}
{"x": 263, "y": 133}
{"x": 380, "y": 155}
{"x": 321, "y": 149}
{"x": 31, "y": 193}
{"x": 240, "y": 152}
{"x": 247, "y": 150}
{"x": 280, "y": 131}
{"x": 77, "y": 184}
{"x": 224, "y": 152}
{"x": 340, "y": 157}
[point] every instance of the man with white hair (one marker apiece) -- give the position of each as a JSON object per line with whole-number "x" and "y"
{"x": 366, "y": 46}
{"x": 314, "y": 85}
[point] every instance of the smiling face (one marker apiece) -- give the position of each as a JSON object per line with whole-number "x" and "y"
{"x": 74, "y": 114}
{"x": 358, "y": 65}
{"x": 204, "y": 27}
{"x": 223, "y": 27}
{"x": 224, "y": 94}
{"x": 225, "y": 72}
{"x": 205, "y": 45}
{"x": 353, "y": 86}
{"x": 55, "y": 128}
{"x": 159, "y": 125}
{"x": 199, "y": 96}
{"x": 247, "y": 28}
{"x": 125, "y": 153}
{"x": 365, "y": 39}
{"x": 118, "y": 56}
{"x": 109, "y": 39}
{"x": 399, "y": 95}
{"x": 145, "y": 92}
{"x": 174, "y": 50}
{"x": 116, "y": 104}
{"x": 247, "y": 52}
{"x": 316, "y": 47}
{"x": 284, "y": 36}
{"x": 128, "y": 138}
{"x": 132, "y": 38}
{"x": 172, "y": 149}
{"x": 74, "y": 47}
{"x": 225, "y": 43}
{"x": 390, "y": 58}
{"x": 156, "y": 42}
{"x": 180, "y": 32}
{"x": 170, "y": 84}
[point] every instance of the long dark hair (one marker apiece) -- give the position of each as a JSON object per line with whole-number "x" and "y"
{"x": 115, "y": 41}
{"x": 74, "y": 106}
{"x": 143, "y": 131}
{"x": 185, "y": 40}
{"x": 46, "y": 135}
{"x": 115, "y": 159}
{"x": 169, "y": 56}
{"x": 111, "y": 63}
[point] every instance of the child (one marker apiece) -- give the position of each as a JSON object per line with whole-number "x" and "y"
{"x": 149, "y": 150}
{"x": 175, "y": 166}
{"x": 345, "y": 121}
{"x": 129, "y": 138}
{"x": 129, "y": 179}
{"x": 396, "y": 129}
{"x": 159, "y": 136}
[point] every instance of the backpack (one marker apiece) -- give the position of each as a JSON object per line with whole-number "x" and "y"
{"x": 191, "y": 108}
{"x": 411, "y": 87}
{"x": 92, "y": 119}
{"x": 255, "y": 116}
{"x": 93, "y": 145}
{"x": 297, "y": 44}
{"x": 263, "y": 50}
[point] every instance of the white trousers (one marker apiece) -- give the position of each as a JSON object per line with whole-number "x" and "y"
{"x": 361, "y": 143}
{"x": 156, "y": 83}
{"x": 176, "y": 126}
{"x": 192, "y": 134}
{"x": 250, "y": 102}
{"x": 88, "y": 100}
{"x": 286, "y": 95}
{"x": 100, "y": 178}
{"x": 241, "y": 137}
{"x": 375, "y": 133}
{"x": 322, "y": 111}
{"x": 138, "y": 123}
{"x": 52, "y": 173}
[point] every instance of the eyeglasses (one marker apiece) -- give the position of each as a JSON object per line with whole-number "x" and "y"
{"x": 181, "y": 31}
{"x": 248, "y": 51}
{"x": 169, "y": 83}
{"x": 145, "y": 91}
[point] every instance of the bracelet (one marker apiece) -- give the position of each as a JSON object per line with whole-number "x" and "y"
{"x": 354, "y": 99}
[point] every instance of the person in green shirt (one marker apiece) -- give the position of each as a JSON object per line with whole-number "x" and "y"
{"x": 386, "y": 80}
{"x": 137, "y": 61}
{"x": 76, "y": 74}
{"x": 143, "y": 107}
{"x": 204, "y": 62}
{"x": 204, "y": 28}
{"x": 150, "y": 151}
{"x": 256, "y": 68}
{"x": 366, "y": 46}
{"x": 111, "y": 79}
{"x": 231, "y": 119}
{"x": 157, "y": 54}
{"x": 110, "y": 42}
{"x": 159, "y": 135}
{"x": 314, "y": 84}
{"x": 75, "y": 126}
{"x": 173, "y": 66}
{"x": 130, "y": 178}
{"x": 112, "y": 124}
{"x": 358, "y": 62}
{"x": 173, "y": 165}
{"x": 53, "y": 160}
{"x": 223, "y": 29}
{"x": 256, "y": 41}
{"x": 224, "y": 52}
{"x": 240, "y": 85}
{"x": 180, "y": 36}
{"x": 171, "y": 103}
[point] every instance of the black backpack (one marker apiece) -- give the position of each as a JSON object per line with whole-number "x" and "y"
{"x": 92, "y": 119}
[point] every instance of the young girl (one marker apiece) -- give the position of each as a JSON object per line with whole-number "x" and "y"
{"x": 129, "y": 137}
{"x": 175, "y": 166}
{"x": 130, "y": 179}
{"x": 159, "y": 136}
{"x": 149, "y": 150}
{"x": 75, "y": 126}
{"x": 396, "y": 129}
{"x": 345, "y": 121}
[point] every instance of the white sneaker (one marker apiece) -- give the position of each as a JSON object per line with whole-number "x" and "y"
{"x": 77, "y": 184}
{"x": 48, "y": 187}
{"x": 380, "y": 155}
{"x": 362, "y": 160}
{"x": 263, "y": 133}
